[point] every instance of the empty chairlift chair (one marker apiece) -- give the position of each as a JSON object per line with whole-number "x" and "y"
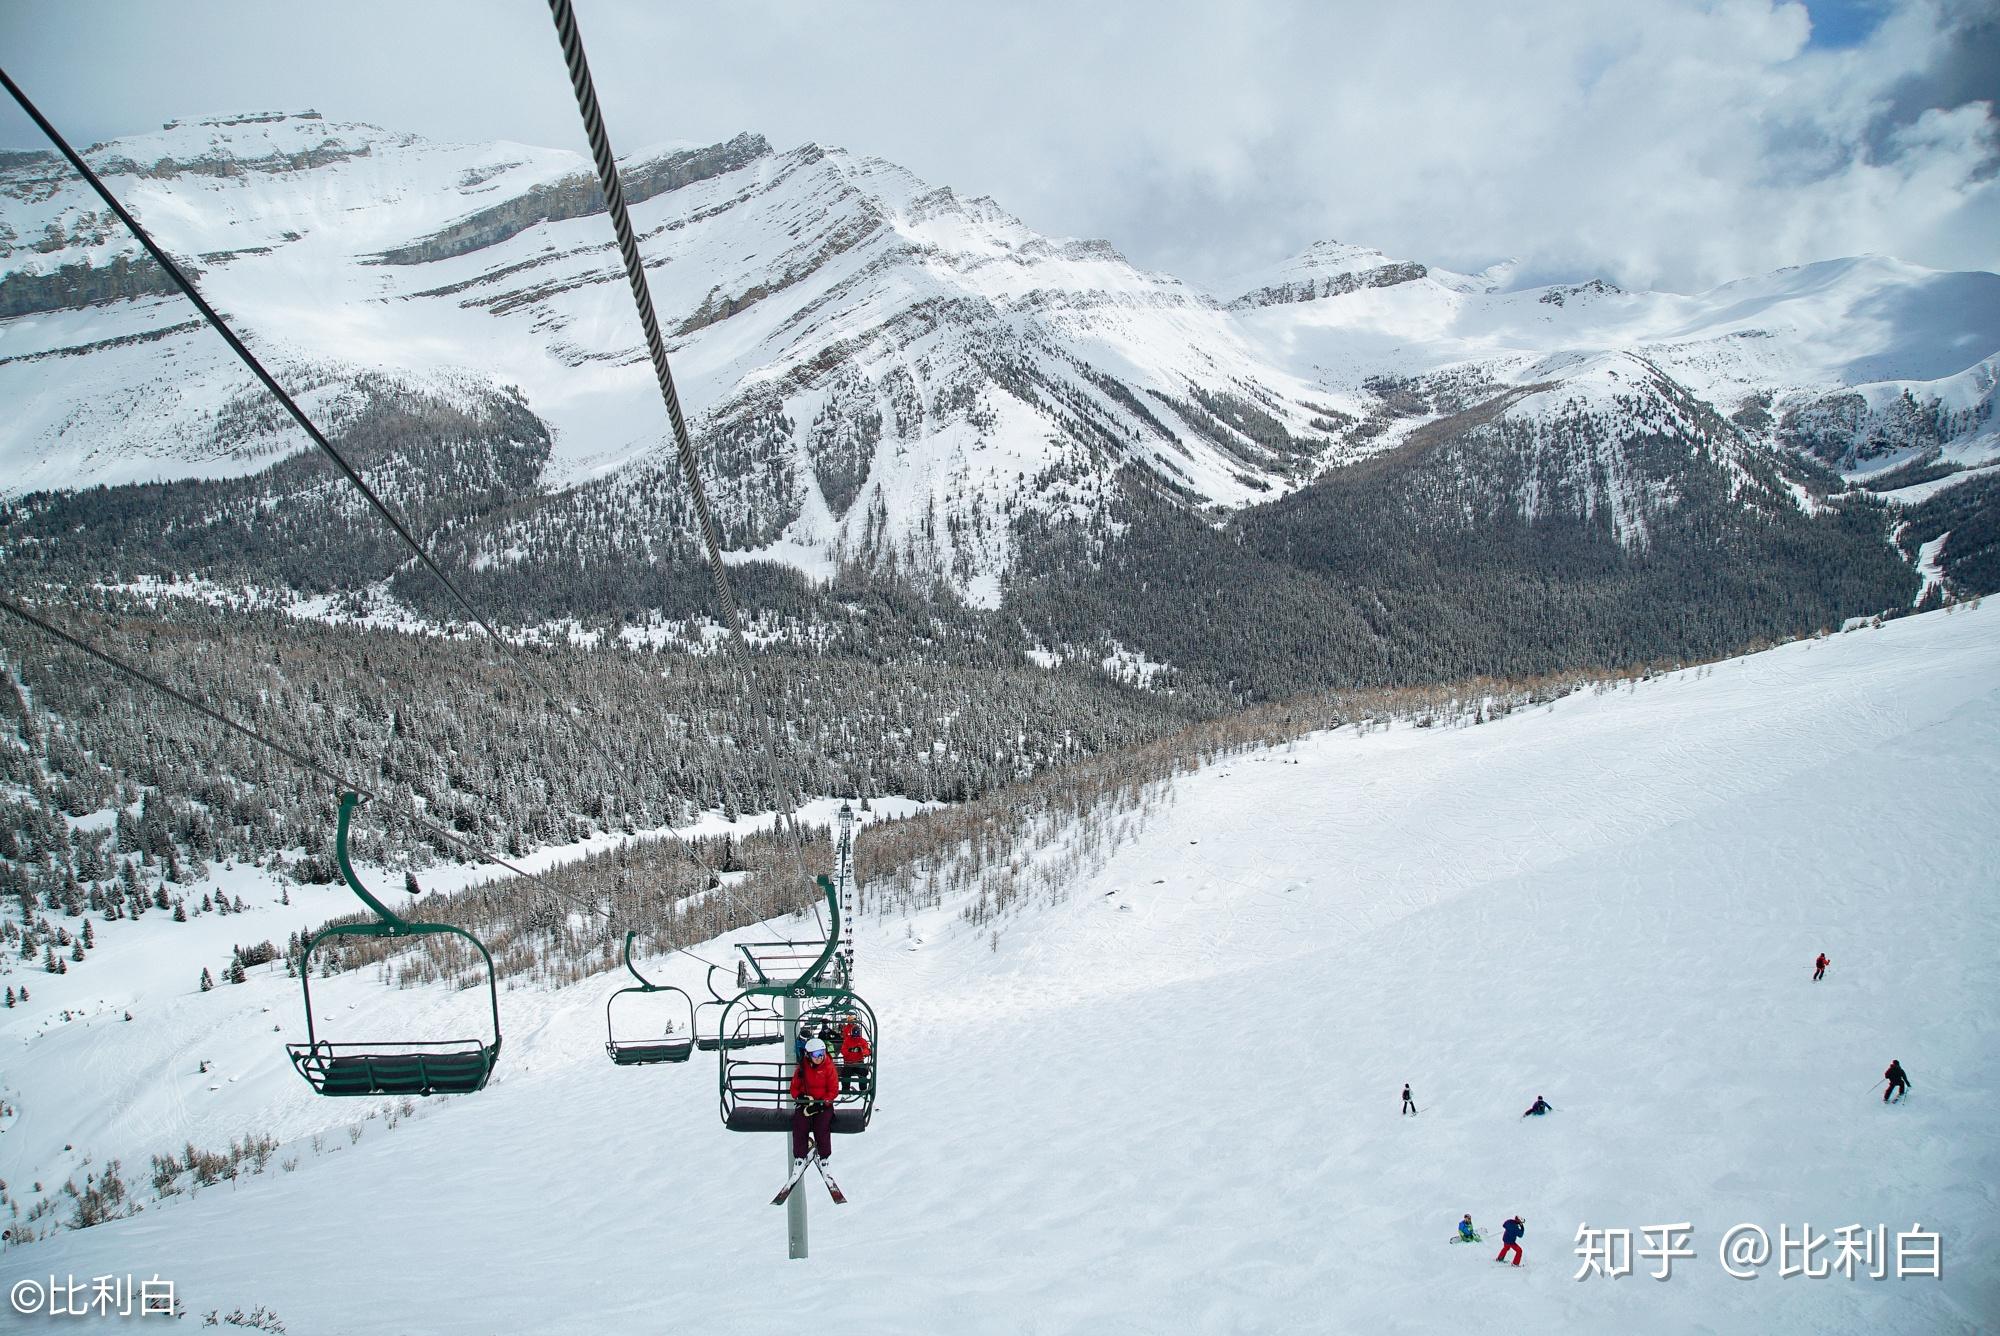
{"x": 399, "y": 1067}
{"x": 749, "y": 1027}
{"x": 671, "y": 1045}
{"x": 755, "y": 1091}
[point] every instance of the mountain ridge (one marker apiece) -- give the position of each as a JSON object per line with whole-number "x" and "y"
{"x": 885, "y": 374}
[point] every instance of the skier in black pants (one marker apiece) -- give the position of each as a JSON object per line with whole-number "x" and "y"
{"x": 1898, "y": 1079}
{"x": 1409, "y": 1105}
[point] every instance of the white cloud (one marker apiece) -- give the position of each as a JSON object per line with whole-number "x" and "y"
{"x": 1674, "y": 142}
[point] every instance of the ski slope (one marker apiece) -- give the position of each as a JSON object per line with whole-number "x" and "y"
{"x": 1168, "y": 1103}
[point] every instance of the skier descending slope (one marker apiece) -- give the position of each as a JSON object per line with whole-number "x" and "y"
{"x": 1898, "y": 1079}
{"x": 1409, "y": 1105}
{"x": 1819, "y": 967}
{"x": 1511, "y": 1234}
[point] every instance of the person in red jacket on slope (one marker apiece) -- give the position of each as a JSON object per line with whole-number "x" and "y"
{"x": 815, "y": 1085}
{"x": 1819, "y": 967}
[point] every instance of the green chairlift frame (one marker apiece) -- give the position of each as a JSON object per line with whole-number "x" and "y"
{"x": 637, "y": 1052}
{"x": 754, "y": 1027}
{"x": 755, "y": 1095}
{"x": 411, "y": 1067}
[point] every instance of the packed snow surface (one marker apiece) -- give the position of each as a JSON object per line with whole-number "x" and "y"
{"x": 1169, "y": 1101}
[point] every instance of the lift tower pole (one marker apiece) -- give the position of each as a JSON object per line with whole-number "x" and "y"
{"x": 795, "y": 1205}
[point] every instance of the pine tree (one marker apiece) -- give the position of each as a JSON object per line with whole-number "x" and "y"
{"x": 76, "y": 952}
{"x": 207, "y": 979}
{"x": 50, "y": 963}
{"x": 207, "y": 905}
{"x": 89, "y": 938}
{"x": 10, "y": 996}
{"x": 237, "y": 974}
{"x": 180, "y": 911}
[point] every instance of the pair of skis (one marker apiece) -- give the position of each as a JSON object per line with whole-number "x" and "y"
{"x": 799, "y": 1173}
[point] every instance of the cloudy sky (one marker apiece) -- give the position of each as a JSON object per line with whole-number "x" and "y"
{"x": 1667, "y": 143}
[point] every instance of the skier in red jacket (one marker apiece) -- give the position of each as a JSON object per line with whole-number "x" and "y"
{"x": 815, "y": 1086}
{"x": 1819, "y": 967}
{"x": 855, "y": 1053}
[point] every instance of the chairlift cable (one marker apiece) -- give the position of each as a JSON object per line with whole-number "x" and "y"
{"x": 635, "y": 272}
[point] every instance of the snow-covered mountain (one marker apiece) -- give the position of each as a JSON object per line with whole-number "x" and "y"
{"x": 863, "y": 351}
{"x": 881, "y": 370}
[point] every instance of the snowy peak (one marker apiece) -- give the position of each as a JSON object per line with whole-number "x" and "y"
{"x": 1565, "y": 293}
{"x": 231, "y": 145}
{"x": 1328, "y": 269}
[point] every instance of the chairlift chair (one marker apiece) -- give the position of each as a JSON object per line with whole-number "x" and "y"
{"x": 401, "y": 1067}
{"x": 638, "y": 1052}
{"x": 756, "y": 1093}
{"x": 750, "y": 1028}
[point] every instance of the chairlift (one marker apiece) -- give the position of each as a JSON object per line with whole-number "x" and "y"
{"x": 756, "y": 1093}
{"x": 402, "y": 1067}
{"x": 674, "y": 1046}
{"x": 749, "y": 1028}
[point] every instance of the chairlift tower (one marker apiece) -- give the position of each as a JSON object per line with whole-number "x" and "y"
{"x": 843, "y": 880}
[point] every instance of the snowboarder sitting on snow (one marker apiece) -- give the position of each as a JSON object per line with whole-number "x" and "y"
{"x": 1899, "y": 1081}
{"x": 1466, "y": 1231}
{"x": 815, "y": 1086}
{"x": 1819, "y": 967}
{"x": 1510, "y": 1237}
{"x": 855, "y": 1053}
{"x": 1538, "y": 1108}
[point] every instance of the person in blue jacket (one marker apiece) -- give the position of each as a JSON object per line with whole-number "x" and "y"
{"x": 1510, "y": 1237}
{"x": 1538, "y": 1108}
{"x": 1466, "y": 1231}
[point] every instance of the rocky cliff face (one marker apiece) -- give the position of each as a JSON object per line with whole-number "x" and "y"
{"x": 577, "y": 196}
